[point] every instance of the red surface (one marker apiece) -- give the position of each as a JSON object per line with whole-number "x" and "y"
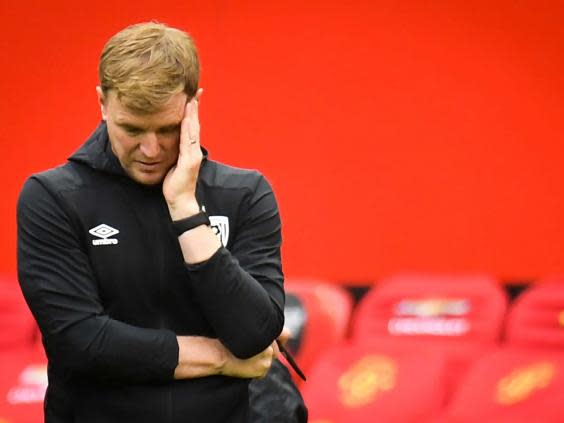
{"x": 23, "y": 383}
{"x": 511, "y": 385}
{"x": 398, "y": 135}
{"x": 362, "y": 384}
{"x": 536, "y": 319}
{"x": 17, "y": 326}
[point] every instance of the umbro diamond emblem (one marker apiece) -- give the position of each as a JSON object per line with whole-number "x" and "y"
{"x": 104, "y": 232}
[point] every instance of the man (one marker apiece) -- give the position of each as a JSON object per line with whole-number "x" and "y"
{"x": 153, "y": 272}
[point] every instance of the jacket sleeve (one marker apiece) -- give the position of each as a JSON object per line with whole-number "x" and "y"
{"x": 58, "y": 283}
{"x": 241, "y": 291}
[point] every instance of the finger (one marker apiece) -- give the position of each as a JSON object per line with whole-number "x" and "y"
{"x": 199, "y": 93}
{"x": 190, "y": 128}
{"x": 193, "y": 123}
{"x": 276, "y": 350}
{"x": 194, "y": 112}
{"x": 285, "y": 336}
{"x": 188, "y": 111}
{"x": 185, "y": 131}
{"x": 267, "y": 361}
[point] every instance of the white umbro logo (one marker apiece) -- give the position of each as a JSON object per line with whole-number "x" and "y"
{"x": 105, "y": 232}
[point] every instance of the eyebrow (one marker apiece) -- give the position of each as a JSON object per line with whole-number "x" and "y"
{"x": 129, "y": 126}
{"x": 171, "y": 127}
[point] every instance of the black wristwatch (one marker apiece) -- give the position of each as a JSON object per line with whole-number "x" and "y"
{"x": 183, "y": 225}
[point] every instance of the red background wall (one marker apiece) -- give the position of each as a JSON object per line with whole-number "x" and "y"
{"x": 399, "y": 135}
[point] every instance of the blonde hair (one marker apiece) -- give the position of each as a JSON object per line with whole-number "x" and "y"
{"x": 147, "y": 63}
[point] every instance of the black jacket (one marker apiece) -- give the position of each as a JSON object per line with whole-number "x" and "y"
{"x": 104, "y": 276}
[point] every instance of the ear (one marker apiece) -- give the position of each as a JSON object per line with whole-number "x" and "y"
{"x": 101, "y": 102}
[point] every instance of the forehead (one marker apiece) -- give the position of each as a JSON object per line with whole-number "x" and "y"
{"x": 170, "y": 114}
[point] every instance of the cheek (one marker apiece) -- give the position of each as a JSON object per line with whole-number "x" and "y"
{"x": 170, "y": 144}
{"x": 122, "y": 144}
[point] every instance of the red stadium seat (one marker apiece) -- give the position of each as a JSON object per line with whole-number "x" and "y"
{"x": 360, "y": 384}
{"x": 23, "y": 366}
{"x": 318, "y": 316}
{"x": 432, "y": 307}
{"x": 537, "y": 317}
{"x": 23, "y": 382}
{"x": 511, "y": 385}
{"x": 523, "y": 381}
{"x": 17, "y": 326}
{"x": 460, "y": 316}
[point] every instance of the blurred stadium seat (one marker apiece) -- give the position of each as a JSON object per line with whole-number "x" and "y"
{"x": 23, "y": 382}
{"x": 17, "y": 326}
{"x": 523, "y": 381}
{"x": 23, "y": 366}
{"x": 317, "y": 315}
{"x": 360, "y": 384}
{"x": 536, "y": 319}
{"x": 511, "y": 385}
{"x": 461, "y": 316}
{"x": 432, "y": 307}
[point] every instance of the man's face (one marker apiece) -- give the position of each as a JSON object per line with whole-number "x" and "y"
{"x": 146, "y": 145}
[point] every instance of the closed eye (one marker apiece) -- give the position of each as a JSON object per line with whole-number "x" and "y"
{"x": 131, "y": 130}
{"x": 172, "y": 129}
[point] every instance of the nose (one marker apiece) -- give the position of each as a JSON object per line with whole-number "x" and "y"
{"x": 149, "y": 145}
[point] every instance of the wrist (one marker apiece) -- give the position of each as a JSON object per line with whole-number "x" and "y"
{"x": 192, "y": 222}
{"x": 184, "y": 208}
{"x": 222, "y": 361}
{"x": 200, "y": 356}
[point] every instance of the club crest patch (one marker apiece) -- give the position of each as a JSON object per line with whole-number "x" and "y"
{"x": 220, "y": 226}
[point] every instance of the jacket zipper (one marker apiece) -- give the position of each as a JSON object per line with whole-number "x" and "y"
{"x": 161, "y": 217}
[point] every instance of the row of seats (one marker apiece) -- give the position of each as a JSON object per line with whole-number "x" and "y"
{"x": 415, "y": 349}
{"x": 421, "y": 348}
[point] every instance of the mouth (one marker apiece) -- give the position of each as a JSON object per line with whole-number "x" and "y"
{"x": 148, "y": 166}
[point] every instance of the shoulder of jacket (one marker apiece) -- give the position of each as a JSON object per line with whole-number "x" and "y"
{"x": 230, "y": 177}
{"x": 61, "y": 178}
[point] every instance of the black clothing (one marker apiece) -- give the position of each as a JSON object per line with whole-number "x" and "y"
{"x": 103, "y": 273}
{"x": 275, "y": 398}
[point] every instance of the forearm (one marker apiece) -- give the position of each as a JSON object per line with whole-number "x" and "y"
{"x": 198, "y": 244}
{"x": 240, "y": 310}
{"x": 106, "y": 349}
{"x": 200, "y": 356}
{"x": 79, "y": 335}
{"x": 226, "y": 292}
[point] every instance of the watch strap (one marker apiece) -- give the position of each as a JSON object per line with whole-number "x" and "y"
{"x": 183, "y": 225}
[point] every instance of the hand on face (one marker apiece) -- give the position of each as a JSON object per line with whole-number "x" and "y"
{"x": 179, "y": 186}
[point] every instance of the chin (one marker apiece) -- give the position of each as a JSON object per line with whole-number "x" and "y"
{"x": 147, "y": 178}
